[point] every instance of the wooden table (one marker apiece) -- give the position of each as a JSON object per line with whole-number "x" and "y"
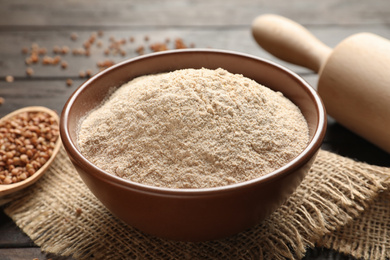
{"x": 128, "y": 26}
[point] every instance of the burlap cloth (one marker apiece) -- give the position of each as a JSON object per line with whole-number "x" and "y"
{"x": 341, "y": 205}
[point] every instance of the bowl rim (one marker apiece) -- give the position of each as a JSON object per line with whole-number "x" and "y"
{"x": 303, "y": 157}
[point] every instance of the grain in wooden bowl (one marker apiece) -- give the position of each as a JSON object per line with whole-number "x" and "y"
{"x": 29, "y": 141}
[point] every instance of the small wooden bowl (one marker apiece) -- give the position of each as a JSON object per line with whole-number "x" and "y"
{"x": 8, "y": 190}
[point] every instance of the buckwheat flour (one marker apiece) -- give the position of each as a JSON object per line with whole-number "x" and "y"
{"x": 193, "y": 128}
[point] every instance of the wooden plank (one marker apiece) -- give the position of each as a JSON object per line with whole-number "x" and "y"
{"x": 325, "y": 254}
{"x": 50, "y": 93}
{"x": 12, "y": 61}
{"x": 11, "y": 235}
{"x": 28, "y": 253}
{"x": 195, "y": 13}
{"x": 341, "y": 141}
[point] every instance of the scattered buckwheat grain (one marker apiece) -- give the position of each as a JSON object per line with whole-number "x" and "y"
{"x": 9, "y": 78}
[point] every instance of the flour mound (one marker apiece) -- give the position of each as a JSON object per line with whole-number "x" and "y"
{"x": 193, "y": 128}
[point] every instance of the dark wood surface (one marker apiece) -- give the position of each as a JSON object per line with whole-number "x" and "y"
{"x": 219, "y": 24}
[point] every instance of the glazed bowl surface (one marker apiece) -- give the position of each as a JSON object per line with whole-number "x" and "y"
{"x": 194, "y": 214}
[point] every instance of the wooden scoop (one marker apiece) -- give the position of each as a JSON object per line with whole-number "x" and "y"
{"x": 7, "y": 189}
{"x": 354, "y": 77}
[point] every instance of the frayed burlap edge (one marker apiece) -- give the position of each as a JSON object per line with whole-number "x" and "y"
{"x": 368, "y": 235}
{"x": 63, "y": 217}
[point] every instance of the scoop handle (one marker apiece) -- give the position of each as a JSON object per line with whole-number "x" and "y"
{"x": 289, "y": 41}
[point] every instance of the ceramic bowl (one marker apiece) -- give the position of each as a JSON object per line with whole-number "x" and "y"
{"x": 194, "y": 214}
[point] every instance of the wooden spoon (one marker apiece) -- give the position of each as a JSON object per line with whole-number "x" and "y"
{"x": 6, "y": 189}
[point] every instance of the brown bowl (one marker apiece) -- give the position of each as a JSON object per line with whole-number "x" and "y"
{"x": 194, "y": 214}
